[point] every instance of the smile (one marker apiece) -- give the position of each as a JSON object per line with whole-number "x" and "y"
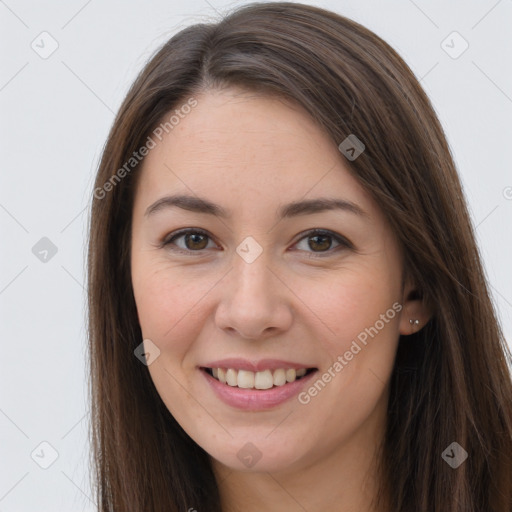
{"x": 265, "y": 379}
{"x": 264, "y": 387}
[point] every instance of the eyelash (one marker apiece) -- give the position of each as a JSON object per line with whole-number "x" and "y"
{"x": 343, "y": 242}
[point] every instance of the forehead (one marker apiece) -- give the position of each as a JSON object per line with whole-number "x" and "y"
{"x": 239, "y": 148}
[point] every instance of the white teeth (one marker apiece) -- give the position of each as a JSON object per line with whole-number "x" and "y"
{"x": 279, "y": 377}
{"x": 291, "y": 375}
{"x": 263, "y": 380}
{"x": 245, "y": 379}
{"x": 231, "y": 377}
{"x": 266, "y": 379}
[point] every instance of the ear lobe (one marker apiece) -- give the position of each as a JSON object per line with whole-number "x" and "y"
{"x": 415, "y": 313}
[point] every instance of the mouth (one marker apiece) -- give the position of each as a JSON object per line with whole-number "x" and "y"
{"x": 261, "y": 380}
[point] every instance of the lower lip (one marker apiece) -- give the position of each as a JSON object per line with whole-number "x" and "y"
{"x": 256, "y": 399}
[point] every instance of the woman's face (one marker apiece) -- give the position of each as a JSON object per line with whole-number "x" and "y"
{"x": 238, "y": 293}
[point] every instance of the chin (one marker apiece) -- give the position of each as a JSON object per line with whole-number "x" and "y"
{"x": 255, "y": 456}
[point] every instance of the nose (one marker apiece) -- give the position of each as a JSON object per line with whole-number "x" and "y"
{"x": 254, "y": 303}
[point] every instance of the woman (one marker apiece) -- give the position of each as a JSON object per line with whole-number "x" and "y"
{"x": 287, "y": 306}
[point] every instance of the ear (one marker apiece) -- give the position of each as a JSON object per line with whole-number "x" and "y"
{"x": 416, "y": 312}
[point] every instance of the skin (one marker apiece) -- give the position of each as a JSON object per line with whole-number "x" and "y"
{"x": 251, "y": 154}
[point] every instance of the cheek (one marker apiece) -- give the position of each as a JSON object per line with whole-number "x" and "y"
{"x": 353, "y": 304}
{"x": 168, "y": 306}
{"x": 363, "y": 310}
{"x": 173, "y": 305}
{"x": 165, "y": 302}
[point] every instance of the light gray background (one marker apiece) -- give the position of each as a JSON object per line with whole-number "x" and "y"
{"x": 55, "y": 116}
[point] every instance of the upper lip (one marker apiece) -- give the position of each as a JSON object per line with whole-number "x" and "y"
{"x": 255, "y": 366}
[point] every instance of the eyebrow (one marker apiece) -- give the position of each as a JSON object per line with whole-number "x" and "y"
{"x": 296, "y": 208}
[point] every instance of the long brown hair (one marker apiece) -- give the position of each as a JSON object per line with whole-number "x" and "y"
{"x": 451, "y": 380}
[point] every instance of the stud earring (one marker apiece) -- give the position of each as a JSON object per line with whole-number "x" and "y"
{"x": 414, "y": 322}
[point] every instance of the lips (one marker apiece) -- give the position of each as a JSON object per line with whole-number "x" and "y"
{"x": 256, "y": 385}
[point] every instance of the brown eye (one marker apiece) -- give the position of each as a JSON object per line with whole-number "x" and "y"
{"x": 190, "y": 240}
{"x": 321, "y": 241}
{"x": 196, "y": 241}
